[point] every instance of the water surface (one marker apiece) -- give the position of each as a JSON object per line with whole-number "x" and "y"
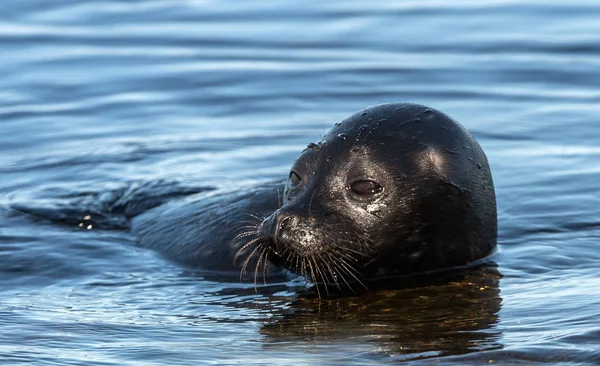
{"x": 101, "y": 101}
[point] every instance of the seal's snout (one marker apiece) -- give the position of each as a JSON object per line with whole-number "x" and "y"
{"x": 287, "y": 232}
{"x": 265, "y": 230}
{"x": 269, "y": 230}
{"x": 280, "y": 227}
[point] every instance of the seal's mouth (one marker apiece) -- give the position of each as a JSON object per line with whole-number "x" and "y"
{"x": 295, "y": 244}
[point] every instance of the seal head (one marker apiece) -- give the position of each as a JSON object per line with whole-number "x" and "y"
{"x": 393, "y": 190}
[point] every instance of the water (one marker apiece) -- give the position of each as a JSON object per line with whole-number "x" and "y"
{"x": 103, "y": 99}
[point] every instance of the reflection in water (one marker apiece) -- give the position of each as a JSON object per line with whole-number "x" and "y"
{"x": 453, "y": 318}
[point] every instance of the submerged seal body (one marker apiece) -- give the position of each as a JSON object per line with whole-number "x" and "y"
{"x": 395, "y": 189}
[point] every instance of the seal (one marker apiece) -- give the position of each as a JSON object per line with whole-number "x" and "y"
{"x": 393, "y": 190}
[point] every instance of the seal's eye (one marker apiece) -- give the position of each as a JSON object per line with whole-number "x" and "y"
{"x": 294, "y": 181}
{"x": 366, "y": 187}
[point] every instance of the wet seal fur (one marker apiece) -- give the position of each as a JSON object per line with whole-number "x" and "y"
{"x": 393, "y": 190}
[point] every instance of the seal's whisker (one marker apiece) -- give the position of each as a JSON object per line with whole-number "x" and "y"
{"x": 347, "y": 259}
{"x": 243, "y": 270}
{"x": 343, "y": 277}
{"x": 261, "y": 219}
{"x": 351, "y": 271}
{"x": 304, "y": 273}
{"x": 247, "y": 260}
{"x": 346, "y": 248}
{"x": 245, "y": 234}
{"x": 312, "y": 272}
{"x": 243, "y": 248}
{"x": 297, "y": 264}
{"x": 265, "y": 264}
{"x": 326, "y": 266}
{"x": 256, "y": 270}
{"x": 249, "y": 222}
{"x": 288, "y": 258}
{"x": 343, "y": 251}
{"x": 249, "y": 226}
{"x": 348, "y": 256}
{"x": 363, "y": 243}
{"x": 318, "y": 270}
{"x": 330, "y": 268}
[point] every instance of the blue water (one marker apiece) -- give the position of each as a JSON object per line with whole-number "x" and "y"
{"x": 101, "y": 100}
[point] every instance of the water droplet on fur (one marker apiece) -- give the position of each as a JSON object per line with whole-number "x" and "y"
{"x": 363, "y": 114}
{"x": 381, "y": 121}
{"x": 416, "y": 120}
{"x": 342, "y": 136}
{"x": 360, "y": 131}
{"x": 478, "y": 166}
{"x": 313, "y": 146}
{"x": 337, "y": 124}
{"x": 428, "y": 111}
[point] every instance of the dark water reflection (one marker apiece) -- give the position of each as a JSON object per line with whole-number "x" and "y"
{"x": 110, "y": 107}
{"x": 455, "y": 318}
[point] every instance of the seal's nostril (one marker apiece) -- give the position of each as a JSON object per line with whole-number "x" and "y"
{"x": 283, "y": 226}
{"x": 284, "y": 222}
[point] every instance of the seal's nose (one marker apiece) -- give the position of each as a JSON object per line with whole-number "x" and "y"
{"x": 274, "y": 225}
{"x": 278, "y": 230}
{"x": 279, "y": 227}
{"x": 294, "y": 230}
{"x": 284, "y": 226}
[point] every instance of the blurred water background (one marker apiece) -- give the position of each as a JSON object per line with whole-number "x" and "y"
{"x": 102, "y": 99}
